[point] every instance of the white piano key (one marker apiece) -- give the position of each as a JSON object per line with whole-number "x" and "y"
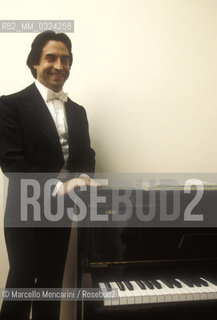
{"x": 177, "y": 294}
{"x": 137, "y": 295}
{"x": 144, "y": 293}
{"x": 165, "y": 294}
{"x": 129, "y": 294}
{"x": 152, "y": 294}
{"x": 189, "y": 291}
{"x": 210, "y": 283}
{"x": 196, "y": 293}
{"x": 182, "y": 296}
{"x": 106, "y": 294}
{"x": 158, "y": 293}
{"x": 121, "y": 294}
{"x": 202, "y": 291}
{"x": 166, "y": 291}
{"x": 115, "y": 300}
{"x": 211, "y": 290}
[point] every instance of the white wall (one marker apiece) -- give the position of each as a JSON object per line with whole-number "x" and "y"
{"x": 146, "y": 72}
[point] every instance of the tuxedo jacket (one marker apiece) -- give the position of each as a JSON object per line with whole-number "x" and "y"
{"x": 29, "y": 142}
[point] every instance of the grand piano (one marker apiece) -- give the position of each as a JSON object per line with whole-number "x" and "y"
{"x": 153, "y": 271}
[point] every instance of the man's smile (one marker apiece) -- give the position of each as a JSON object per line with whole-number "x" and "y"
{"x": 56, "y": 76}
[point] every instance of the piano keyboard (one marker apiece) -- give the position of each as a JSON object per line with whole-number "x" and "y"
{"x": 158, "y": 291}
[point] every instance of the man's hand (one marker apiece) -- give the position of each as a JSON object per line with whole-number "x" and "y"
{"x": 76, "y": 183}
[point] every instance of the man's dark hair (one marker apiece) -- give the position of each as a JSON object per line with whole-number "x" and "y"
{"x": 38, "y": 45}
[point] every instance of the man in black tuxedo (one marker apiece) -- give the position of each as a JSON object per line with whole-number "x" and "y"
{"x": 42, "y": 131}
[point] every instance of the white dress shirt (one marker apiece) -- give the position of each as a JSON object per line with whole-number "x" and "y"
{"x": 57, "y": 110}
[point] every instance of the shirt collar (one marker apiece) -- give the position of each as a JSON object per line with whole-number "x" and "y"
{"x": 43, "y": 90}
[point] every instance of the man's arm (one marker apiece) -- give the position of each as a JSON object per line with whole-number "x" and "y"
{"x": 12, "y": 141}
{"x": 83, "y": 156}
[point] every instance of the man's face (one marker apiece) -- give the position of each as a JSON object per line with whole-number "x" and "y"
{"x": 53, "y": 68}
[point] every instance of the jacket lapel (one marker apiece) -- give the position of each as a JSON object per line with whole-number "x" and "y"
{"x": 37, "y": 108}
{"x": 71, "y": 120}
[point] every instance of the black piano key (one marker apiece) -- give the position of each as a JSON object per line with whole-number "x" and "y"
{"x": 108, "y": 286}
{"x": 148, "y": 284}
{"x": 156, "y": 284}
{"x": 187, "y": 281}
{"x": 141, "y": 284}
{"x": 203, "y": 282}
{"x": 128, "y": 285}
{"x": 120, "y": 285}
{"x": 196, "y": 282}
{"x": 168, "y": 283}
{"x": 177, "y": 284}
{"x": 211, "y": 279}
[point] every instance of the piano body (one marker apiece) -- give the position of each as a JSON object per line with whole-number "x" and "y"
{"x": 157, "y": 272}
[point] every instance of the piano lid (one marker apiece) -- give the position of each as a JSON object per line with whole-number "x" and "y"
{"x": 150, "y": 244}
{"x": 130, "y": 243}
